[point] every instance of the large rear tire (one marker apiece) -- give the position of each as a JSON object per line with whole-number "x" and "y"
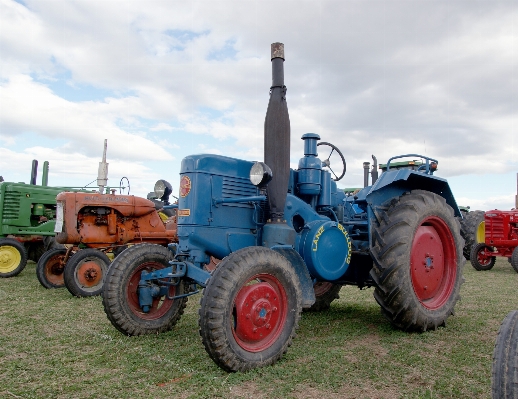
{"x": 13, "y": 257}
{"x": 504, "y": 376}
{"x": 50, "y": 267}
{"x": 325, "y": 293}
{"x": 514, "y": 259}
{"x": 417, "y": 251}
{"x": 120, "y": 292}
{"x": 35, "y": 250}
{"x": 481, "y": 257}
{"x": 85, "y": 272}
{"x": 250, "y": 309}
{"x": 472, "y": 229}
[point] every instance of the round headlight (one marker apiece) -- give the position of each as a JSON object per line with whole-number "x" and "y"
{"x": 260, "y": 174}
{"x": 163, "y": 188}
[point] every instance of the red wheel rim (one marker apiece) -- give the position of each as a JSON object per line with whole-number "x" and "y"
{"x": 433, "y": 263}
{"x": 89, "y": 274}
{"x": 321, "y": 288}
{"x": 160, "y": 305}
{"x": 483, "y": 256}
{"x": 259, "y": 313}
{"x": 54, "y": 270}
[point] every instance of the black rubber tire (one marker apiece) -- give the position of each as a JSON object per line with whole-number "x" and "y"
{"x": 220, "y": 323}
{"x": 76, "y": 279}
{"x": 468, "y": 229}
{"x": 49, "y": 269}
{"x": 13, "y": 257}
{"x": 513, "y": 260}
{"x": 50, "y": 242}
{"x": 120, "y": 295}
{"x": 504, "y": 375}
{"x": 479, "y": 263}
{"x": 325, "y": 293}
{"x": 118, "y": 250}
{"x": 35, "y": 251}
{"x": 394, "y": 245}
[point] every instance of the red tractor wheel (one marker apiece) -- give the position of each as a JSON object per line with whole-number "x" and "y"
{"x": 325, "y": 293}
{"x": 120, "y": 292}
{"x": 250, "y": 309}
{"x": 85, "y": 272}
{"x": 418, "y": 261}
{"x": 482, "y": 257}
{"x": 50, "y": 267}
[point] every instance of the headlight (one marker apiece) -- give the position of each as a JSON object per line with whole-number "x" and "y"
{"x": 163, "y": 189}
{"x": 260, "y": 174}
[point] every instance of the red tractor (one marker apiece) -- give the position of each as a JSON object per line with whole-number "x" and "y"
{"x": 97, "y": 225}
{"x": 501, "y": 239}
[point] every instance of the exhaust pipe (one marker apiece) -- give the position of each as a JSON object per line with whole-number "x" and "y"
{"x": 34, "y": 172}
{"x": 277, "y": 137}
{"x": 366, "y": 167}
{"x": 374, "y": 172}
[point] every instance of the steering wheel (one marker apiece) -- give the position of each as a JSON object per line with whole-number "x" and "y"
{"x": 122, "y": 188}
{"x": 327, "y": 162}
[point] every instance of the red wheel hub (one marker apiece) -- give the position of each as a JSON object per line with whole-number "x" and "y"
{"x": 433, "y": 262}
{"x": 260, "y": 311}
{"x": 160, "y": 305}
{"x": 89, "y": 274}
{"x": 484, "y": 256}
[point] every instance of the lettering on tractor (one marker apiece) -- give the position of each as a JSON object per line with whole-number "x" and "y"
{"x": 288, "y": 240}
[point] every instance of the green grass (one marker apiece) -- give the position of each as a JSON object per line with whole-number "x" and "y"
{"x": 53, "y": 345}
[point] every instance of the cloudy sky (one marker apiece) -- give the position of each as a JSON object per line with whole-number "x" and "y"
{"x": 164, "y": 79}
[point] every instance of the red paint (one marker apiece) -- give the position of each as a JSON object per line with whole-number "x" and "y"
{"x": 433, "y": 262}
{"x": 260, "y": 310}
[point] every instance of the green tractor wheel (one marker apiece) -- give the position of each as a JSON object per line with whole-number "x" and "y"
{"x": 13, "y": 257}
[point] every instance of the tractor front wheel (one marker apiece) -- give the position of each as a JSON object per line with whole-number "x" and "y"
{"x": 50, "y": 267}
{"x": 121, "y": 293}
{"x": 481, "y": 257}
{"x": 504, "y": 379}
{"x": 250, "y": 309}
{"x": 325, "y": 293}
{"x": 418, "y": 261}
{"x": 85, "y": 272}
{"x": 13, "y": 257}
{"x": 514, "y": 259}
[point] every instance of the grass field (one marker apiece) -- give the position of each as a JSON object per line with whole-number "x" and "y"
{"x": 53, "y": 345}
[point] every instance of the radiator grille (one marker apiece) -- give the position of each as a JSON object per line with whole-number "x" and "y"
{"x": 12, "y": 205}
{"x": 233, "y": 187}
{"x": 496, "y": 228}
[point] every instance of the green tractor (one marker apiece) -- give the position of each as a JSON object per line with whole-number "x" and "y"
{"x": 27, "y": 220}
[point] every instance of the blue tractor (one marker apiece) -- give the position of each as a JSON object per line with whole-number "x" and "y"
{"x": 288, "y": 240}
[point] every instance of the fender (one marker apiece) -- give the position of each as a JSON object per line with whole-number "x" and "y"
{"x": 306, "y": 285}
{"x": 394, "y": 183}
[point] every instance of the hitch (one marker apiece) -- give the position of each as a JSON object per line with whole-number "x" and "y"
{"x": 148, "y": 289}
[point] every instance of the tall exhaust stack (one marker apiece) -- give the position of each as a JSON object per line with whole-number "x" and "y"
{"x": 102, "y": 174}
{"x": 277, "y": 137}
